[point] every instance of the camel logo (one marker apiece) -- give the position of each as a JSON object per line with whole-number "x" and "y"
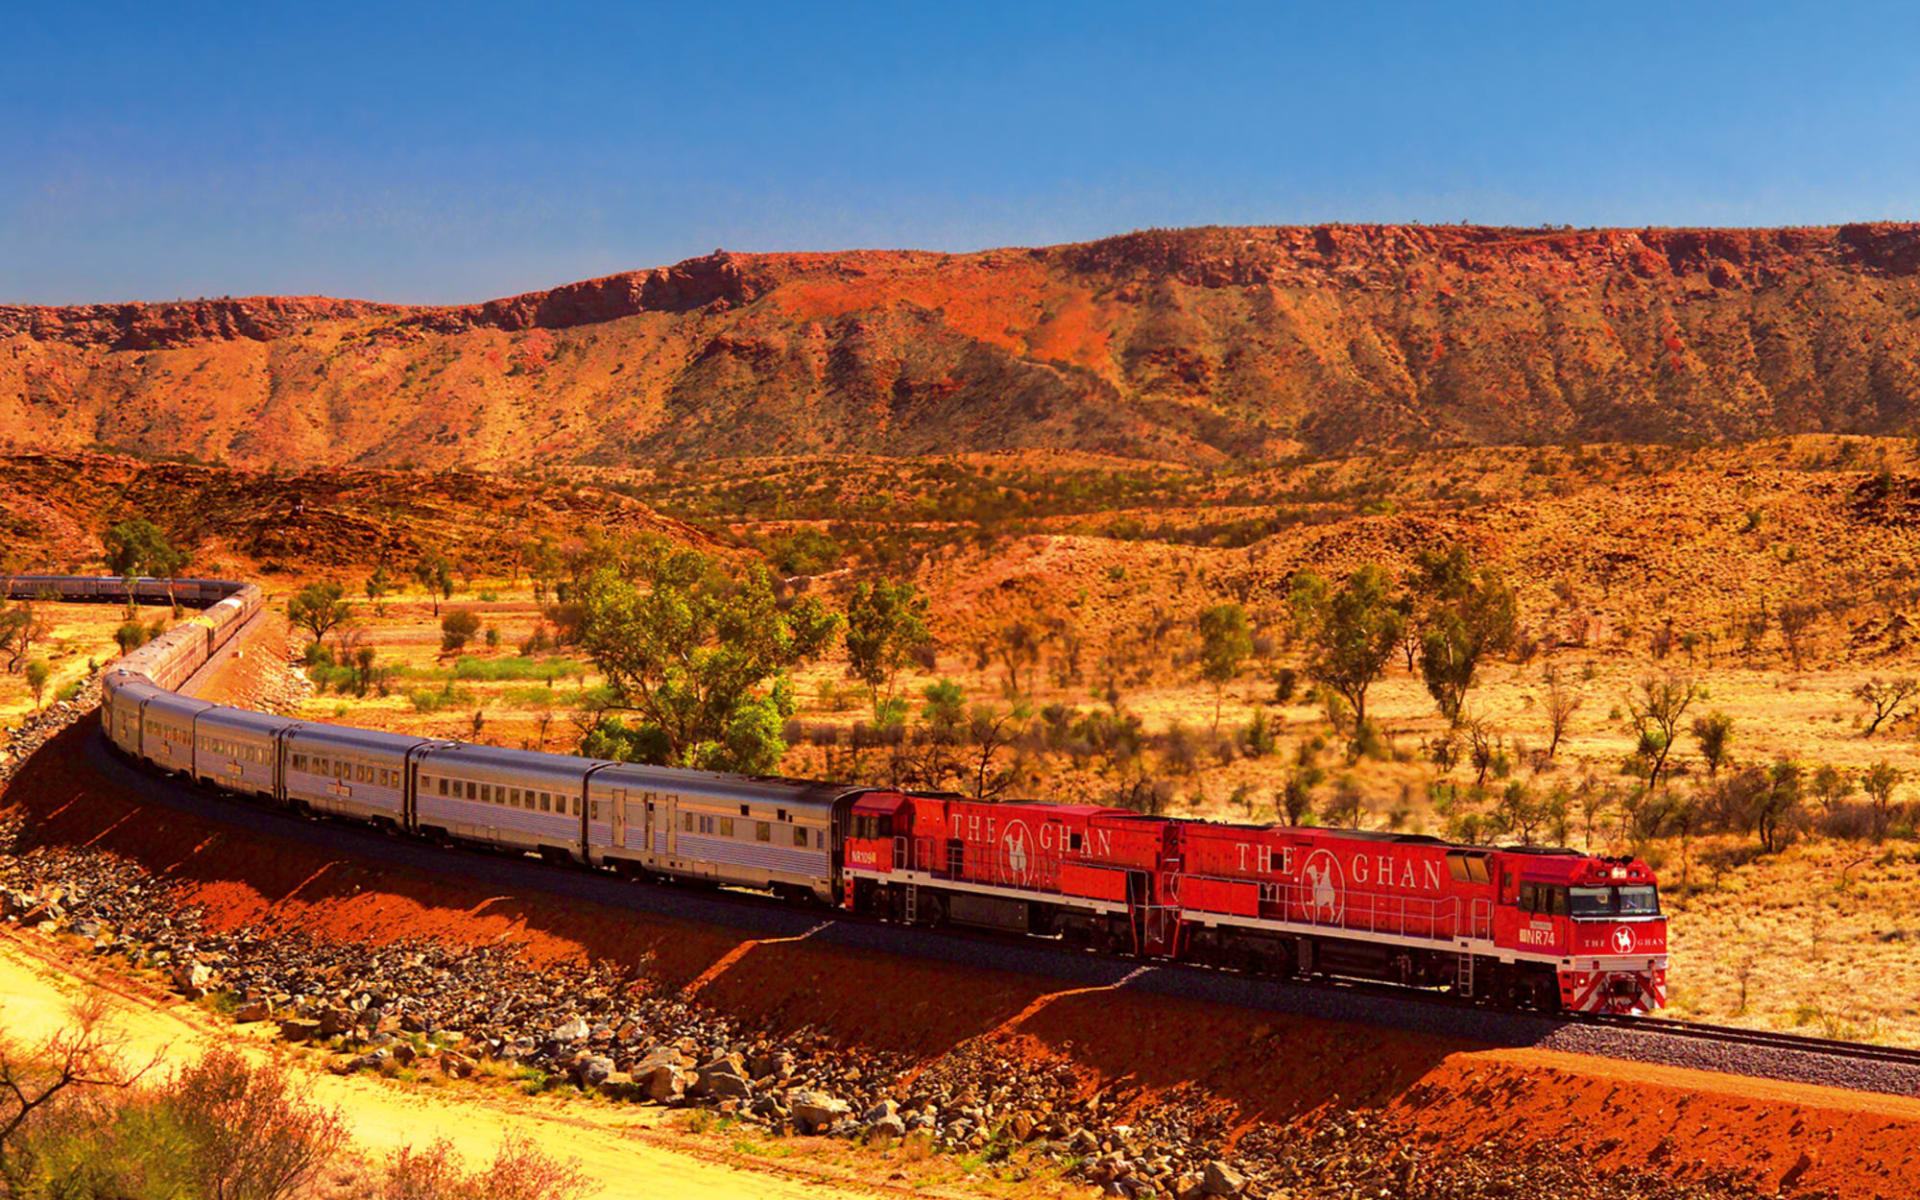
{"x": 1329, "y": 883}
{"x": 1016, "y": 847}
{"x": 1623, "y": 940}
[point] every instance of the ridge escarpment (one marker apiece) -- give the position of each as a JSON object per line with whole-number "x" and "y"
{"x": 1194, "y": 345}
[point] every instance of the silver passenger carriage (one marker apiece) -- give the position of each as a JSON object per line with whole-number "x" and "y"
{"x": 358, "y": 773}
{"x": 776, "y": 834}
{"x": 515, "y": 799}
{"x": 166, "y": 730}
{"x": 239, "y": 750}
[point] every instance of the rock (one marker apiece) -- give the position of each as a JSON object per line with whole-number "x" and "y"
{"x": 1082, "y": 1142}
{"x": 590, "y": 1070}
{"x": 889, "y": 1126}
{"x": 618, "y": 1085}
{"x": 404, "y": 1053}
{"x": 335, "y": 1021}
{"x": 192, "y": 978}
{"x": 85, "y": 928}
{"x": 723, "y": 1077}
{"x": 880, "y": 1112}
{"x": 296, "y": 1029}
{"x": 456, "y": 1064}
{"x": 574, "y": 1030}
{"x": 816, "y": 1110}
{"x": 1021, "y": 1127}
{"x": 1222, "y": 1180}
{"x": 253, "y": 1010}
{"x": 666, "y": 1083}
{"x": 368, "y": 1061}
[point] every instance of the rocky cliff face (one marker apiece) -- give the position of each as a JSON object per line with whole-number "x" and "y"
{"x": 1195, "y": 345}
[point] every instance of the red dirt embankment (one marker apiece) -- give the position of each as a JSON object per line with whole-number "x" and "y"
{"x": 1266, "y": 1067}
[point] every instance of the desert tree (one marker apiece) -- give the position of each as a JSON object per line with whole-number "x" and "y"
{"x": 700, "y": 655}
{"x": 1350, "y": 632}
{"x": 1832, "y": 785}
{"x": 1777, "y": 804}
{"x": 378, "y": 587}
{"x": 434, "y": 573}
{"x": 1713, "y": 733}
{"x": 137, "y": 546}
{"x": 1886, "y": 699}
{"x": 886, "y": 624}
{"x": 21, "y": 628}
{"x": 38, "y": 673}
{"x": 1467, "y": 614}
{"x": 87, "y": 1055}
{"x": 1656, "y": 705}
{"x": 1225, "y": 642}
{"x": 1017, "y": 646}
{"x": 1796, "y": 619}
{"x": 1561, "y": 705}
{"x": 320, "y": 608}
{"x": 1878, "y": 783}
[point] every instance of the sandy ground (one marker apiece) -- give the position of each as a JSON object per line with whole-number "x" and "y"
{"x": 616, "y": 1147}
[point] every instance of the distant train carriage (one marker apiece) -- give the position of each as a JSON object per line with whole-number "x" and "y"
{"x": 509, "y": 798}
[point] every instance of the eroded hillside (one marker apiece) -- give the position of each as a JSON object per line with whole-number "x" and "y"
{"x": 1196, "y": 346}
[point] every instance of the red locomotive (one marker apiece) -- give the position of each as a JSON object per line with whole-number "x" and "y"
{"x": 1547, "y": 929}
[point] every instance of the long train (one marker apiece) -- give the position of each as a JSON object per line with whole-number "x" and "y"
{"x": 1553, "y": 930}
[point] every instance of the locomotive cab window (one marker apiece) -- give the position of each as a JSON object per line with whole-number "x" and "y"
{"x": 1640, "y": 901}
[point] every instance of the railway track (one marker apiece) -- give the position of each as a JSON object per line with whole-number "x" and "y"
{"x": 1765, "y": 1039}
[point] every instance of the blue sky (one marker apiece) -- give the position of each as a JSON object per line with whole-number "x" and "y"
{"x": 457, "y": 152}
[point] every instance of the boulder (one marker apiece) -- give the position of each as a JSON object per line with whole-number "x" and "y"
{"x": 298, "y": 1029}
{"x": 815, "y": 1111}
{"x": 1222, "y": 1180}
{"x": 618, "y": 1085}
{"x": 574, "y": 1030}
{"x": 888, "y": 1126}
{"x": 192, "y": 978}
{"x": 665, "y": 1083}
{"x": 254, "y": 1010}
{"x": 590, "y": 1070}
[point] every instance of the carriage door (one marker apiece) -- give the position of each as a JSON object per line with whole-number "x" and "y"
{"x": 647, "y": 829}
{"x": 620, "y": 818}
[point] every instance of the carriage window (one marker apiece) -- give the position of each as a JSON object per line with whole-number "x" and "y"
{"x": 486, "y": 793}
{"x": 473, "y": 790}
{"x": 1477, "y": 870}
{"x": 1527, "y": 898}
{"x": 576, "y": 806}
{"x": 762, "y": 831}
{"x": 1556, "y": 901}
{"x": 744, "y": 812}
{"x": 513, "y": 797}
{"x": 686, "y": 822}
{"x": 726, "y": 826}
{"x": 799, "y": 837}
{"x": 442, "y": 781}
{"x": 546, "y": 801}
{"x": 780, "y": 814}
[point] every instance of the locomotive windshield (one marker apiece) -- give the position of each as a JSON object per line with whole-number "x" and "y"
{"x": 1638, "y": 901}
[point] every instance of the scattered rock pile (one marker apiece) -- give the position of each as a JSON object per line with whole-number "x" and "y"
{"x": 38, "y": 728}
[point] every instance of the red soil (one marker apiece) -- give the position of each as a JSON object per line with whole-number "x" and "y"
{"x": 1269, "y": 1068}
